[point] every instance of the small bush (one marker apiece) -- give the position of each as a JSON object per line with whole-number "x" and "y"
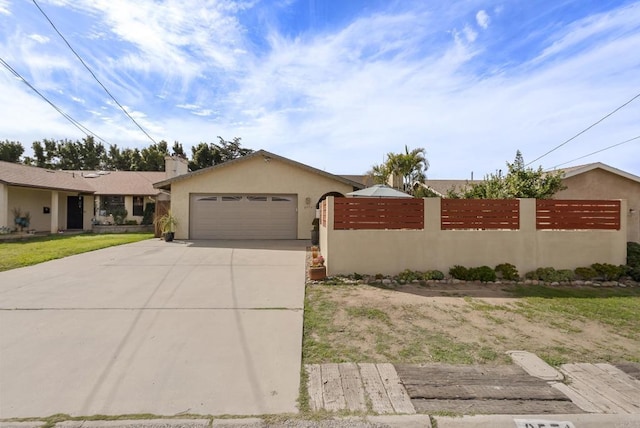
{"x": 564, "y": 275}
{"x": 634, "y": 273}
{"x": 549, "y": 274}
{"x": 483, "y": 273}
{"x": 433, "y": 275}
{"x": 609, "y": 272}
{"x": 409, "y": 275}
{"x": 459, "y": 272}
{"x": 585, "y": 273}
{"x": 357, "y": 276}
{"x": 633, "y": 254}
{"x": 507, "y": 271}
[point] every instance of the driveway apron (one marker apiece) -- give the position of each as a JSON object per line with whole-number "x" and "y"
{"x": 197, "y": 327}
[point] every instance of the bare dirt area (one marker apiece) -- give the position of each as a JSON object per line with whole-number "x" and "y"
{"x": 468, "y": 324}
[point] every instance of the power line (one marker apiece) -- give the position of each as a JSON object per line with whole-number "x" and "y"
{"x": 583, "y": 131}
{"x": 598, "y": 151}
{"x": 92, "y": 73}
{"x": 74, "y": 122}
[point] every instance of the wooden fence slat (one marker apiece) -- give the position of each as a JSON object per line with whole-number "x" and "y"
{"x": 378, "y": 213}
{"x": 480, "y": 214}
{"x": 559, "y": 214}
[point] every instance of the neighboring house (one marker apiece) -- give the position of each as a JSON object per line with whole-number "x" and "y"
{"x": 128, "y": 190}
{"x": 258, "y": 196}
{"x": 75, "y": 200}
{"x": 55, "y": 200}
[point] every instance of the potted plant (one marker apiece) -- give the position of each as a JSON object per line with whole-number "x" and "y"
{"x": 167, "y": 224}
{"x": 317, "y": 270}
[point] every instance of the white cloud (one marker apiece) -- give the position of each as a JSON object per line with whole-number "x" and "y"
{"x": 482, "y": 18}
{"x": 469, "y": 34}
{"x": 39, "y": 38}
{"x": 4, "y": 7}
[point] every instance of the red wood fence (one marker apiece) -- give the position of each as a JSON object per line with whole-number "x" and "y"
{"x": 577, "y": 214}
{"x": 479, "y": 214}
{"x": 378, "y": 213}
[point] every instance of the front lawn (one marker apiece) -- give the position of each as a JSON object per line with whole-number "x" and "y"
{"x": 37, "y": 250}
{"x": 470, "y": 323}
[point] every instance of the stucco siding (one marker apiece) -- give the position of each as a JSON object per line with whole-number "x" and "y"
{"x": 601, "y": 184}
{"x": 31, "y": 201}
{"x": 256, "y": 176}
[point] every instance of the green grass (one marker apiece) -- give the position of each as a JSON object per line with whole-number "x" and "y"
{"x": 37, "y": 250}
{"x": 616, "y": 307}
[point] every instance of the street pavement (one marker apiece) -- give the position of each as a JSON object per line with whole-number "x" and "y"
{"x": 154, "y": 327}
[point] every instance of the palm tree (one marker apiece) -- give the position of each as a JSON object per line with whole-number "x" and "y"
{"x": 410, "y": 165}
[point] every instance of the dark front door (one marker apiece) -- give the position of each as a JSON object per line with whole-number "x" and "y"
{"x": 74, "y": 212}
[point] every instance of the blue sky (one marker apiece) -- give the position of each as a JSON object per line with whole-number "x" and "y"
{"x": 335, "y": 84}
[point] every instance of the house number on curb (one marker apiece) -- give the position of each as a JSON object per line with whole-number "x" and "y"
{"x": 542, "y": 423}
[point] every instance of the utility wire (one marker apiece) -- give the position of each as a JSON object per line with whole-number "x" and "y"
{"x": 91, "y": 72}
{"x": 583, "y": 131}
{"x": 74, "y": 122}
{"x": 598, "y": 151}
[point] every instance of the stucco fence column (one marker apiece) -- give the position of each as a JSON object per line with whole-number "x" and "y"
{"x": 4, "y": 203}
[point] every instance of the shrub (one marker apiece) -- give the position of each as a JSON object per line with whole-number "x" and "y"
{"x": 586, "y": 273}
{"x": 549, "y": 274}
{"x": 507, "y": 271}
{"x": 409, "y": 275}
{"x": 609, "y": 272}
{"x": 633, "y": 254}
{"x": 564, "y": 275}
{"x": 634, "y": 273}
{"x": 149, "y": 211}
{"x": 483, "y": 273}
{"x": 459, "y": 272}
{"x": 357, "y": 276}
{"x": 433, "y": 274}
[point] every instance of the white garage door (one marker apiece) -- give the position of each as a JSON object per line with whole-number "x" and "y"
{"x": 243, "y": 217}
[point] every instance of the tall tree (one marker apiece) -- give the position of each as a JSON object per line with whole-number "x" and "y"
{"x": 519, "y": 182}
{"x": 11, "y": 151}
{"x": 153, "y": 156}
{"x": 178, "y": 150}
{"x": 205, "y": 155}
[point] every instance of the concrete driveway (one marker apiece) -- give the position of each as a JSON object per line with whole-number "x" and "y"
{"x": 154, "y": 327}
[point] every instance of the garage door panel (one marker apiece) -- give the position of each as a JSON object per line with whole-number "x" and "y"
{"x": 243, "y": 216}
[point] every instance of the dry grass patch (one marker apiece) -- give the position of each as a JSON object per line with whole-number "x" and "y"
{"x": 469, "y": 323}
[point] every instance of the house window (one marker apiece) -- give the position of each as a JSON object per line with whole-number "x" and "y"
{"x": 112, "y": 203}
{"x": 138, "y": 205}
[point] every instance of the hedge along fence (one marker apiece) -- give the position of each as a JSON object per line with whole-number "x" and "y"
{"x": 577, "y": 214}
{"x": 378, "y": 213}
{"x": 367, "y": 236}
{"x": 480, "y": 214}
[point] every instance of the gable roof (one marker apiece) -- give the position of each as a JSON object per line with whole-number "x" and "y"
{"x": 16, "y": 174}
{"x": 572, "y": 171}
{"x": 166, "y": 184}
{"x": 136, "y": 183}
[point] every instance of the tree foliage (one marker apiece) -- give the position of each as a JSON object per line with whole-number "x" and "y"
{"x": 88, "y": 155}
{"x": 411, "y": 166}
{"x": 205, "y": 155}
{"x": 519, "y": 182}
{"x": 10, "y": 151}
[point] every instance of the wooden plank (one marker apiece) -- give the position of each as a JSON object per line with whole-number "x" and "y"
{"x": 496, "y": 407}
{"x": 584, "y": 386}
{"x": 352, "y": 387}
{"x": 332, "y": 394}
{"x": 612, "y": 387}
{"x": 620, "y": 376}
{"x": 576, "y": 398}
{"x": 314, "y": 386}
{"x": 449, "y": 374}
{"x": 485, "y": 392}
{"x": 395, "y": 390}
{"x": 374, "y": 389}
